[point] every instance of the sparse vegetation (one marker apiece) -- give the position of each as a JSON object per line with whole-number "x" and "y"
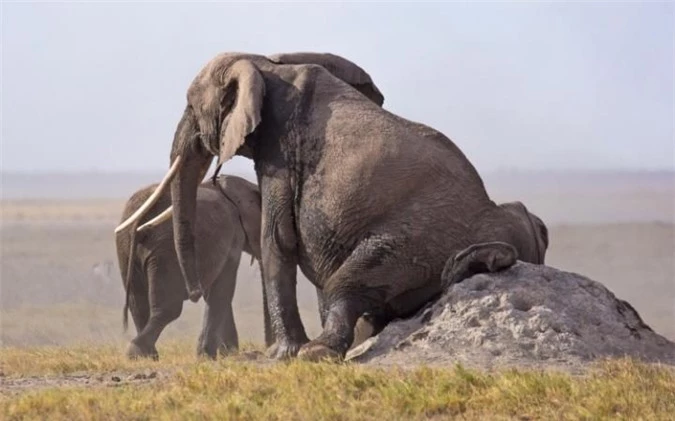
{"x": 233, "y": 388}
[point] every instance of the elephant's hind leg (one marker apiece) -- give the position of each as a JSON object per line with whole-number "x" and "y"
{"x": 363, "y": 284}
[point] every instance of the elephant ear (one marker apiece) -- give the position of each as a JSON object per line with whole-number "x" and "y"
{"x": 245, "y": 113}
{"x": 339, "y": 67}
{"x": 534, "y": 245}
{"x": 541, "y": 235}
{"x": 478, "y": 258}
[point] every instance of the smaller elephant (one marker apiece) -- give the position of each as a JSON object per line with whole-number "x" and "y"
{"x": 228, "y": 215}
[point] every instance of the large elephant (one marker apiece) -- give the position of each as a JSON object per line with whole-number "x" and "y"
{"x": 369, "y": 205}
{"x": 228, "y": 223}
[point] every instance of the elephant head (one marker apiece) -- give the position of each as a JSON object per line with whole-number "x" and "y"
{"x": 527, "y": 232}
{"x": 507, "y": 233}
{"x": 224, "y": 107}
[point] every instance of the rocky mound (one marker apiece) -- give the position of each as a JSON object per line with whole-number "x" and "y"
{"x": 528, "y": 315}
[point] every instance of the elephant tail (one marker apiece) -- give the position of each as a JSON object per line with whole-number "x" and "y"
{"x": 128, "y": 277}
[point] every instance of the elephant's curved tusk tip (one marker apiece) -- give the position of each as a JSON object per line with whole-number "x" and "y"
{"x": 141, "y": 211}
{"x": 143, "y": 227}
{"x": 162, "y": 217}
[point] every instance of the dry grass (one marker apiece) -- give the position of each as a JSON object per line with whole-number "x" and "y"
{"x": 233, "y": 389}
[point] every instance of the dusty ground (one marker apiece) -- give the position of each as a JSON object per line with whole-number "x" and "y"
{"x": 60, "y": 283}
{"x": 63, "y": 367}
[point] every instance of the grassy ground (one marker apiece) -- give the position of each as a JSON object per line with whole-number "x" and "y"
{"x": 179, "y": 387}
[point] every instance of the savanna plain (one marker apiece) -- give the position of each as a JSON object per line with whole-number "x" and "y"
{"x": 62, "y": 344}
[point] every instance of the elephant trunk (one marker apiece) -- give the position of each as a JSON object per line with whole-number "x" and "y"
{"x": 184, "y": 199}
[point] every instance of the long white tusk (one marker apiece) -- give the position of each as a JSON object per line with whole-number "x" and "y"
{"x": 154, "y": 196}
{"x": 164, "y": 216}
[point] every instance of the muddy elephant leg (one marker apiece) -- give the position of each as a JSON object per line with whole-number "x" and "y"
{"x": 219, "y": 332}
{"x": 267, "y": 322}
{"x": 279, "y": 262}
{"x": 166, "y": 305}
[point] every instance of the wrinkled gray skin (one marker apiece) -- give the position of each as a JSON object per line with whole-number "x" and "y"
{"x": 228, "y": 216}
{"x": 369, "y": 205}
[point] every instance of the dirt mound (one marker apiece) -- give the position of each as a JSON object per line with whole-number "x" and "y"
{"x": 528, "y": 315}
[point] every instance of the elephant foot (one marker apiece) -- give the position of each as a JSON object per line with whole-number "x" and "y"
{"x": 135, "y": 352}
{"x": 316, "y": 352}
{"x": 284, "y": 350}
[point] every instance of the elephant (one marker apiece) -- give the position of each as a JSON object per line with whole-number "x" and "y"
{"x": 369, "y": 205}
{"x": 228, "y": 209}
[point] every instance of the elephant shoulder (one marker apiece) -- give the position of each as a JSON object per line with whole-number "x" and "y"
{"x": 216, "y": 216}
{"x": 212, "y": 204}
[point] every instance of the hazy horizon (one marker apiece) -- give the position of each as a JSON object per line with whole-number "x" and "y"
{"x": 529, "y": 86}
{"x": 570, "y": 197}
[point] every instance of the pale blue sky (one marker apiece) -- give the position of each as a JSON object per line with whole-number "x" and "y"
{"x": 515, "y": 85}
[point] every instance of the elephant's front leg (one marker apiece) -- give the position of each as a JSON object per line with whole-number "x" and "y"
{"x": 279, "y": 270}
{"x": 218, "y": 330}
{"x": 211, "y": 334}
{"x": 229, "y": 336}
{"x": 166, "y": 305}
{"x": 267, "y": 323}
{"x": 143, "y": 345}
